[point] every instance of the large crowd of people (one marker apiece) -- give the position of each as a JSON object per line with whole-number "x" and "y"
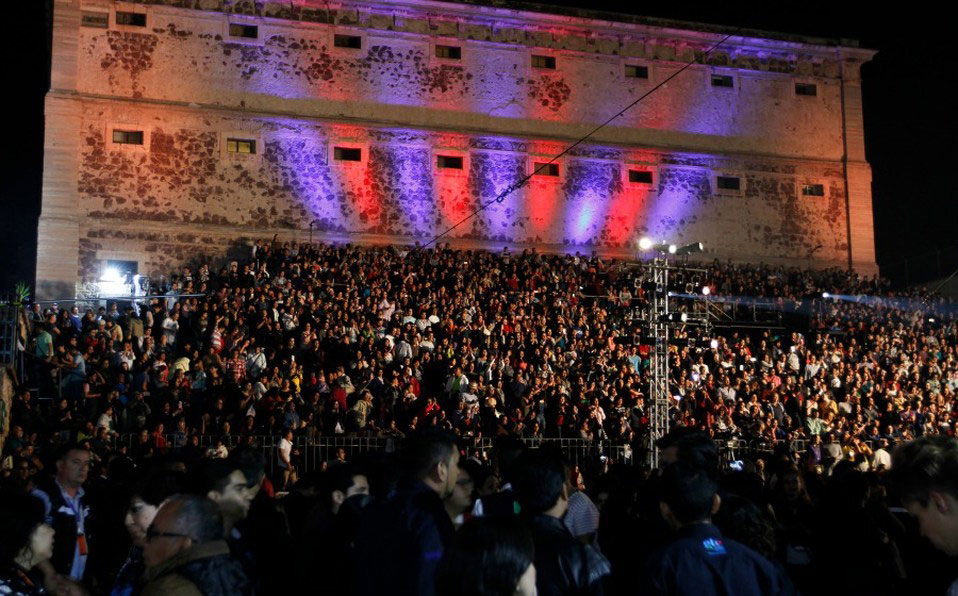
{"x": 155, "y": 417}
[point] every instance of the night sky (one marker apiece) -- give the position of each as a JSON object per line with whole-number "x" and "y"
{"x": 910, "y": 120}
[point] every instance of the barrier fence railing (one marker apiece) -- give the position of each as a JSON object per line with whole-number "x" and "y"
{"x": 311, "y": 452}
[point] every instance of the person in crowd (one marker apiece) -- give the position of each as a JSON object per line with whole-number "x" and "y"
{"x": 146, "y": 497}
{"x": 67, "y": 512}
{"x": 462, "y": 499}
{"x": 27, "y": 542}
{"x": 491, "y": 556}
{"x": 563, "y": 564}
{"x": 326, "y": 549}
{"x": 401, "y": 541}
{"x": 925, "y": 475}
{"x": 699, "y": 560}
{"x": 185, "y": 552}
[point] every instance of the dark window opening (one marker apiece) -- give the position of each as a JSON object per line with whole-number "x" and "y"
{"x": 353, "y": 42}
{"x": 546, "y": 169}
{"x": 134, "y": 19}
{"x": 813, "y": 190}
{"x": 449, "y": 52}
{"x": 99, "y": 20}
{"x": 636, "y": 72}
{"x": 245, "y": 146}
{"x": 640, "y": 176}
{"x": 723, "y": 81}
{"x": 347, "y": 154}
{"x": 544, "y": 62}
{"x": 450, "y": 162}
{"x": 248, "y": 31}
{"x": 728, "y": 183}
{"x": 128, "y": 137}
{"x": 807, "y": 89}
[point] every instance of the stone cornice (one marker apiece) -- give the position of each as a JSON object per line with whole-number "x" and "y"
{"x": 560, "y": 30}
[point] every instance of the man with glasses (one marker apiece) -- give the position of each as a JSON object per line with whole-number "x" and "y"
{"x": 67, "y": 511}
{"x": 185, "y": 552}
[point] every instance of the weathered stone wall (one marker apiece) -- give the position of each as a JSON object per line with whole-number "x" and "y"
{"x": 188, "y": 86}
{"x": 183, "y": 178}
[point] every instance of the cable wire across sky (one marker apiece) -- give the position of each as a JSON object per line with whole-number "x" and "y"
{"x": 522, "y": 182}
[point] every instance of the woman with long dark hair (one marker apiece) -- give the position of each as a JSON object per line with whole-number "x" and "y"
{"x": 27, "y": 542}
{"x": 490, "y": 556}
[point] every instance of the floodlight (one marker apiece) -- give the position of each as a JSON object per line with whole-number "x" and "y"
{"x": 713, "y": 344}
{"x": 690, "y": 248}
{"x": 826, "y": 295}
{"x": 706, "y": 290}
{"x": 672, "y": 249}
{"x": 645, "y": 243}
{"x": 110, "y": 274}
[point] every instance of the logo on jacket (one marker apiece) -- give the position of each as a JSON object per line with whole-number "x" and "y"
{"x": 713, "y": 546}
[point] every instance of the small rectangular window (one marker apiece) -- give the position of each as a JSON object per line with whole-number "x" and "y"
{"x": 807, "y": 89}
{"x": 347, "y": 154}
{"x": 728, "y": 183}
{"x": 813, "y": 190}
{"x": 353, "y": 42}
{"x": 723, "y": 81}
{"x": 128, "y": 137}
{"x": 546, "y": 169}
{"x": 640, "y": 176}
{"x": 244, "y": 146}
{"x": 634, "y": 71}
{"x": 134, "y": 19}
{"x": 448, "y": 162}
{"x": 247, "y": 31}
{"x": 98, "y": 20}
{"x": 544, "y": 62}
{"x": 449, "y": 52}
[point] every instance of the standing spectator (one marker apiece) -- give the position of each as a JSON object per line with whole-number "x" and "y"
{"x": 699, "y": 560}
{"x": 401, "y": 540}
{"x": 66, "y": 511}
{"x": 286, "y": 473}
{"x": 563, "y": 564}
{"x": 27, "y": 543}
{"x": 925, "y": 474}
{"x": 185, "y": 552}
{"x": 489, "y": 557}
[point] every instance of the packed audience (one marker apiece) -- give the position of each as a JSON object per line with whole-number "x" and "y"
{"x": 154, "y": 417}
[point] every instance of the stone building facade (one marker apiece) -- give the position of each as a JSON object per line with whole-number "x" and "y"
{"x": 180, "y": 129}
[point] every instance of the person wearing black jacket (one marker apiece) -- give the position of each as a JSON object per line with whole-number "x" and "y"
{"x": 699, "y": 560}
{"x": 564, "y": 566}
{"x": 402, "y": 539}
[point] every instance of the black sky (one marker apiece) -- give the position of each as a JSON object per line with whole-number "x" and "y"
{"x": 910, "y": 120}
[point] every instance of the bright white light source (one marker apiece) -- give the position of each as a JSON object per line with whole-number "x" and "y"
{"x": 645, "y": 243}
{"x": 684, "y": 317}
{"x": 714, "y": 344}
{"x": 672, "y": 249}
{"x": 110, "y": 274}
{"x": 706, "y": 290}
{"x": 826, "y": 295}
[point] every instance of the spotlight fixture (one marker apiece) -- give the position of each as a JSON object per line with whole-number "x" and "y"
{"x": 826, "y": 295}
{"x": 672, "y": 249}
{"x": 645, "y": 243}
{"x": 713, "y": 344}
{"x": 688, "y": 249}
{"x": 706, "y": 290}
{"x": 674, "y": 317}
